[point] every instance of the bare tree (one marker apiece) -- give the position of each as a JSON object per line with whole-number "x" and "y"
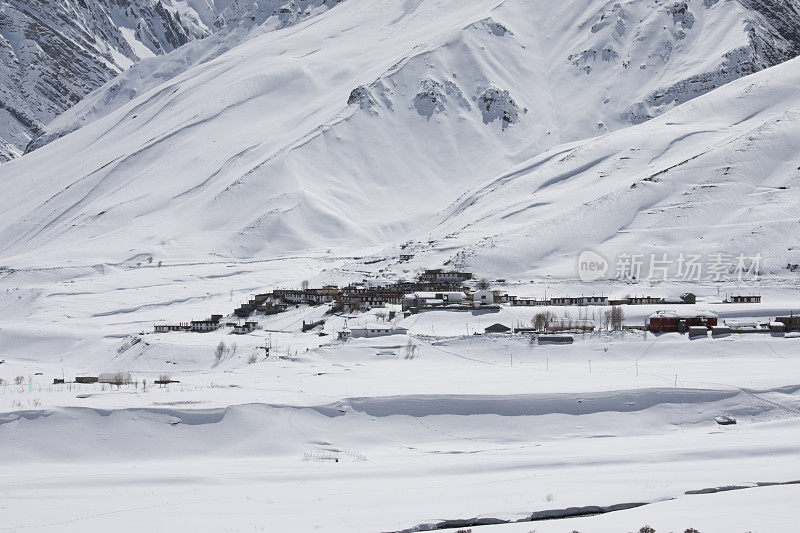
{"x": 304, "y": 285}
{"x": 617, "y": 317}
{"x": 411, "y": 349}
{"x": 119, "y": 379}
{"x": 536, "y": 321}
{"x": 220, "y": 352}
{"x": 19, "y": 380}
{"x": 613, "y": 318}
{"x": 483, "y": 284}
{"x": 381, "y": 314}
{"x": 541, "y": 321}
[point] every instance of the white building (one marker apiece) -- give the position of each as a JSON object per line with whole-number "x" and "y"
{"x": 580, "y": 300}
{"x": 528, "y": 302}
{"x": 483, "y": 297}
{"x": 115, "y": 378}
{"x": 203, "y": 326}
{"x": 425, "y": 299}
{"x": 243, "y": 329}
{"x": 372, "y": 330}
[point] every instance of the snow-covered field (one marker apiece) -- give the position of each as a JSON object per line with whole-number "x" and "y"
{"x": 327, "y": 435}
{"x": 356, "y": 437}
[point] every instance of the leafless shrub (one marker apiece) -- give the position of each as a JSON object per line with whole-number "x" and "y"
{"x": 542, "y": 320}
{"x": 119, "y": 379}
{"x": 617, "y": 316}
{"x": 411, "y": 349}
{"x": 19, "y": 380}
{"x": 252, "y": 359}
{"x": 220, "y": 352}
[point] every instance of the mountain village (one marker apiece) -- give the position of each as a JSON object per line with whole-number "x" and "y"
{"x": 443, "y": 290}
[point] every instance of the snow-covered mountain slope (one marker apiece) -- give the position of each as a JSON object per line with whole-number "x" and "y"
{"x": 634, "y": 59}
{"x": 355, "y": 128}
{"x": 232, "y": 23}
{"x": 54, "y": 52}
{"x": 719, "y": 174}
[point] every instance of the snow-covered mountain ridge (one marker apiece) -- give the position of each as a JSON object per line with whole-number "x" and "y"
{"x": 55, "y": 52}
{"x": 305, "y": 139}
{"x": 683, "y": 49}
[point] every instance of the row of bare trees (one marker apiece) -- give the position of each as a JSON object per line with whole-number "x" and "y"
{"x": 612, "y": 320}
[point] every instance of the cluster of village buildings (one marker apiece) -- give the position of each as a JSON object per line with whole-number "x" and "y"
{"x": 433, "y": 289}
{"x": 211, "y": 324}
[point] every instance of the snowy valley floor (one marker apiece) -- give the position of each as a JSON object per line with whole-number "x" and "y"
{"x": 332, "y": 436}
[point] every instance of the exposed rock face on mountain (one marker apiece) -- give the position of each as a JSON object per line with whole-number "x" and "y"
{"x": 773, "y": 31}
{"x": 54, "y": 52}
